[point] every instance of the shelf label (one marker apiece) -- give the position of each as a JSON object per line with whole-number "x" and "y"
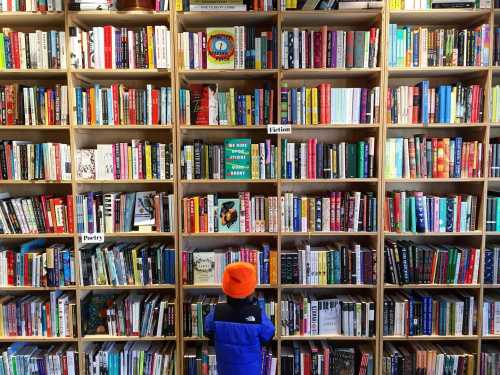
{"x": 279, "y": 129}
{"x": 92, "y": 237}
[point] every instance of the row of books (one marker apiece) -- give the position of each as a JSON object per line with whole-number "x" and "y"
{"x": 416, "y": 358}
{"x": 52, "y": 315}
{"x": 103, "y": 212}
{"x": 325, "y": 104}
{"x": 37, "y": 264}
{"x": 490, "y": 359}
{"x": 419, "y": 212}
{"x": 491, "y": 311}
{"x": 409, "y": 263}
{"x": 422, "y": 157}
{"x": 327, "y": 48}
{"x": 134, "y": 160}
{"x": 448, "y": 104}
{"x": 245, "y": 213}
{"x": 346, "y": 315}
{"x": 196, "y": 307}
{"x": 129, "y": 314}
{"x": 214, "y": 105}
{"x": 326, "y": 358}
{"x": 238, "y": 47}
{"x": 429, "y": 4}
{"x": 493, "y": 211}
{"x": 119, "y": 105}
{"x": 51, "y": 360}
{"x": 32, "y": 6}
{"x": 491, "y": 264}
{"x": 154, "y": 358}
{"x": 112, "y": 47}
{"x": 329, "y": 4}
{"x": 494, "y": 158}
{"x": 417, "y": 46}
{"x": 422, "y": 314}
{"x": 237, "y": 158}
{"x": 25, "y": 160}
{"x": 36, "y": 214}
{"x": 311, "y": 160}
{"x": 35, "y": 50}
{"x": 127, "y": 263}
{"x": 207, "y": 267}
{"x": 34, "y": 105}
{"x": 336, "y": 263}
{"x": 234, "y": 5}
{"x": 337, "y": 211}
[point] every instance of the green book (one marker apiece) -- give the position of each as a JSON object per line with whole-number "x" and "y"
{"x": 237, "y": 158}
{"x": 2, "y": 52}
{"x": 351, "y": 160}
{"x": 361, "y": 159}
{"x": 412, "y": 210}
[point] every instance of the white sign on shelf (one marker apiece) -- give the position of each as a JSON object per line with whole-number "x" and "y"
{"x": 279, "y": 129}
{"x": 92, "y": 237}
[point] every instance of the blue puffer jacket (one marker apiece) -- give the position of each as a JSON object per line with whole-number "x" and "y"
{"x": 239, "y": 328}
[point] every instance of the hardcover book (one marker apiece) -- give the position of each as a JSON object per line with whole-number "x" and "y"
{"x": 220, "y": 47}
{"x": 237, "y": 156}
{"x": 229, "y": 215}
{"x": 144, "y": 208}
{"x": 203, "y": 267}
{"x": 86, "y": 164}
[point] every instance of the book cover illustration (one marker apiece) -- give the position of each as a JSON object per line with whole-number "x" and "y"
{"x": 86, "y": 164}
{"x": 220, "y": 47}
{"x": 203, "y": 267}
{"x": 229, "y": 215}
{"x": 144, "y": 213}
{"x": 237, "y": 158}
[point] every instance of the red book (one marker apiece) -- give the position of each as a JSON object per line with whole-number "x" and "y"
{"x": 470, "y": 266}
{"x": 246, "y": 197}
{"x": 458, "y": 213}
{"x": 132, "y": 107}
{"x": 8, "y": 151}
{"x": 58, "y": 162}
{"x": 416, "y": 107}
{"x": 349, "y": 49}
{"x": 199, "y": 104}
{"x": 338, "y": 199}
{"x": 204, "y": 49}
{"x": 328, "y": 117}
{"x": 269, "y": 50}
{"x": 202, "y": 216}
{"x": 313, "y": 161}
{"x": 271, "y": 106}
{"x": 154, "y": 99}
{"x": 317, "y": 49}
{"x": 191, "y": 214}
{"x": 15, "y": 49}
{"x": 322, "y": 103}
{"x": 116, "y": 111}
{"x": 108, "y": 64}
{"x": 10, "y": 267}
{"x": 46, "y": 213}
{"x": 10, "y": 95}
{"x": 69, "y": 203}
{"x": 470, "y": 166}
{"x": 397, "y": 212}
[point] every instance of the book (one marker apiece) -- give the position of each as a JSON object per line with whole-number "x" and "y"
{"x": 32, "y": 6}
{"x": 237, "y": 158}
{"x": 329, "y": 48}
{"x": 494, "y": 158}
{"x": 121, "y": 105}
{"x": 491, "y": 314}
{"x": 206, "y": 267}
{"x": 82, "y": 5}
{"x": 25, "y": 160}
{"x": 336, "y": 211}
{"x": 333, "y": 263}
{"x": 212, "y": 213}
{"x": 221, "y": 47}
{"x": 32, "y": 50}
{"x": 438, "y": 157}
{"x": 417, "y": 46}
{"x": 490, "y": 359}
{"x": 431, "y": 4}
{"x": 493, "y": 211}
{"x": 34, "y": 105}
{"x": 325, "y": 105}
{"x": 127, "y": 263}
{"x": 491, "y": 264}
{"x": 113, "y": 47}
{"x": 329, "y": 4}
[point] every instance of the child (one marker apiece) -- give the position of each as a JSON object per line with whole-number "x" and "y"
{"x": 239, "y": 327}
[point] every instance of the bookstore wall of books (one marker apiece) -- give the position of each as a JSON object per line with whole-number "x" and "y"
{"x": 348, "y": 149}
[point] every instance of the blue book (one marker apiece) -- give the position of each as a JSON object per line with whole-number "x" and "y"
{"x": 442, "y": 104}
{"x": 497, "y": 214}
{"x": 79, "y": 113}
{"x": 266, "y": 254}
{"x": 488, "y": 266}
{"x": 442, "y": 214}
{"x": 411, "y": 311}
{"x": 129, "y": 210}
{"x": 448, "y": 104}
{"x": 416, "y": 51}
{"x": 399, "y": 157}
{"x": 449, "y": 214}
{"x": 412, "y": 216}
{"x": 420, "y": 213}
{"x": 458, "y": 156}
{"x": 256, "y": 107}
{"x": 293, "y": 105}
{"x": 424, "y": 106}
{"x": 66, "y": 267}
{"x": 296, "y": 214}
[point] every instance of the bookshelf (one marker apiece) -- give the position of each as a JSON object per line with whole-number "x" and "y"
{"x": 383, "y": 76}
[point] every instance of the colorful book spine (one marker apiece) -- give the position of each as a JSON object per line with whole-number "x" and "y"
{"x": 32, "y": 6}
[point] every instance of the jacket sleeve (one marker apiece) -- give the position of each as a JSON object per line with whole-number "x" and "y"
{"x": 266, "y": 329}
{"x": 209, "y": 325}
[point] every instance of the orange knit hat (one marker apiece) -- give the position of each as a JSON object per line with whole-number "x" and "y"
{"x": 239, "y": 280}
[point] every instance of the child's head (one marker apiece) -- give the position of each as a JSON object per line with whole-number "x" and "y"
{"x": 239, "y": 280}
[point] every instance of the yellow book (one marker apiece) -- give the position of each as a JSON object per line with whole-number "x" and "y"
{"x": 248, "y": 99}
{"x": 135, "y": 269}
{"x": 315, "y": 108}
{"x": 151, "y": 63}
{"x": 273, "y": 267}
{"x": 255, "y": 161}
{"x": 453, "y": 107}
{"x": 149, "y": 171}
{"x": 196, "y": 201}
{"x": 294, "y": 4}
{"x": 308, "y": 106}
{"x": 2, "y": 334}
{"x": 46, "y": 99}
{"x": 232, "y": 110}
{"x": 323, "y": 267}
{"x": 494, "y": 105}
{"x": 178, "y": 5}
{"x": 129, "y": 156}
{"x": 304, "y": 203}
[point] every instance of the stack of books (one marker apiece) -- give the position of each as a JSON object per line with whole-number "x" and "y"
{"x": 34, "y": 105}
{"x": 324, "y": 48}
{"x": 211, "y": 105}
{"x": 237, "y": 158}
{"x": 35, "y": 50}
{"x": 207, "y": 267}
{"x": 119, "y": 105}
{"x": 325, "y": 104}
{"x": 245, "y": 213}
{"x": 438, "y": 47}
{"x": 37, "y": 264}
{"x": 337, "y": 211}
{"x": 313, "y": 160}
{"x": 110, "y": 47}
{"x": 127, "y": 263}
{"x": 422, "y": 157}
{"x": 238, "y": 47}
{"x": 336, "y": 263}
{"x": 102, "y": 212}
{"x": 423, "y": 314}
{"x": 419, "y": 212}
{"x": 344, "y": 315}
{"x": 137, "y": 160}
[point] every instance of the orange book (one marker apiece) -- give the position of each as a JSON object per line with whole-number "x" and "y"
{"x": 151, "y": 63}
{"x": 440, "y": 159}
{"x": 324, "y": 38}
{"x": 273, "y": 267}
{"x": 446, "y": 147}
{"x": 92, "y": 105}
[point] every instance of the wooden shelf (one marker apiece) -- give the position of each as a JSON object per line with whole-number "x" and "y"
{"x": 435, "y": 126}
{"x": 34, "y": 127}
{"x": 346, "y": 17}
{"x": 36, "y": 182}
{"x": 441, "y": 71}
{"x": 138, "y": 234}
{"x": 439, "y": 16}
{"x": 36, "y": 288}
{"x": 434, "y": 180}
{"x": 121, "y": 127}
{"x": 122, "y": 182}
{"x": 122, "y": 73}
{"x": 128, "y": 287}
{"x": 232, "y": 74}
{"x": 199, "y": 19}
{"x": 314, "y": 181}
{"x": 431, "y": 338}
{"x": 432, "y": 286}
{"x": 231, "y": 234}
{"x": 328, "y": 234}
{"x": 90, "y": 338}
{"x": 25, "y": 19}
{"x": 222, "y": 127}
{"x": 219, "y": 287}
{"x": 433, "y": 234}
{"x": 36, "y": 235}
{"x": 32, "y": 73}
{"x": 37, "y": 339}
{"x": 97, "y": 17}
{"x": 328, "y": 286}
{"x": 228, "y": 181}
{"x": 317, "y": 73}
{"x": 490, "y": 337}
{"x": 327, "y": 337}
